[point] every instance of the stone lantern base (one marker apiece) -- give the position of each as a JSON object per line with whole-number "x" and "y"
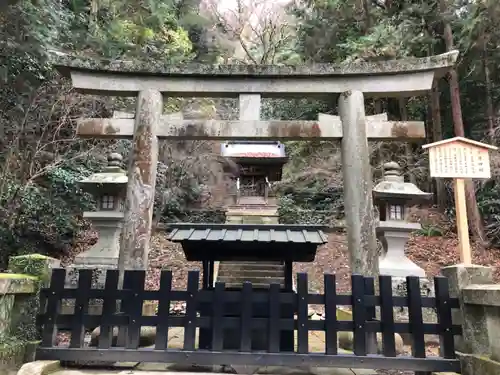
{"x": 104, "y": 254}
{"x": 394, "y": 236}
{"x": 101, "y": 257}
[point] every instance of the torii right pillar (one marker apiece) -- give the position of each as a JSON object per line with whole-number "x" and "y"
{"x": 357, "y": 176}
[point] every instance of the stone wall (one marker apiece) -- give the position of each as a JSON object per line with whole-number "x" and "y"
{"x": 19, "y": 304}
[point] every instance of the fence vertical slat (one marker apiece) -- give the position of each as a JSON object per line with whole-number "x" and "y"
{"x": 108, "y": 309}
{"x": 53, "y": 302}
{"x": 191, "y": 306}
{"x": 370, "y": 291}
{"x": 218, "y": 304}
{"x": 443, "y": 306}
{"x": 302, "y": 314}
{"x": 246, "y": 317}
{"x": 81, "y": 308}
{"x": 358, "y": 314}
{"x": 331, "y": 326}
{"x": 161, "y": 340}
{"x": 371, "y": 337}
{"x": 274, "y": 318}
{"x": 387, "y": 316}
{"x": 123, "y": 335}
{"x": 134, "y": 309}
{"x": 415, "y": 316}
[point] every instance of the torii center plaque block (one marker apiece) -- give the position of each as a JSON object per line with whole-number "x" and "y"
{"x": 460, "y": 158}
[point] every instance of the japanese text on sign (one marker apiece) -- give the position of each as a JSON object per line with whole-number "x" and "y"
{"x": 457, "y": 160}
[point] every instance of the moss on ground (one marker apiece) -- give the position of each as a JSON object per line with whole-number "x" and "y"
{"x": 17, "y": 276}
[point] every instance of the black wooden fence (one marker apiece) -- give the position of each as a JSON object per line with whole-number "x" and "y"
{"x": 216, "y": 319}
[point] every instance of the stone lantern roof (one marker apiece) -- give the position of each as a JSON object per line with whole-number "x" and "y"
{"x": 113, "y": 174}
{"x": 394, "y": 187}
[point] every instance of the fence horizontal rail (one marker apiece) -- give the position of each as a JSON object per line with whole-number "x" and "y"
{"x": 233, "y": 296}
{"x": 208, "y": 358}
{"x": 64, "y": 322}
{"x": 274, "y": 314}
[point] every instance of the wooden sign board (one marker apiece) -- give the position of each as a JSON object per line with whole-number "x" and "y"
{"x": 459, "y": 158}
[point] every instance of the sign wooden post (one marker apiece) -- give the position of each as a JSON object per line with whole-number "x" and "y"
{"x": 460, "y": 158}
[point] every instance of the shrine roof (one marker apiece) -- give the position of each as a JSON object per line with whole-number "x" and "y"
{"x": 267, "y": 233}
{"x": 65, "y": 63}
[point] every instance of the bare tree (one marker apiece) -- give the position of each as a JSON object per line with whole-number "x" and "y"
{"x": 40, "y": 140}
{"x": 260, "y": 31}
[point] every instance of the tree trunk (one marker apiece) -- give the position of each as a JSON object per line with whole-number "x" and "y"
{"x": 474, "y": 217}
{"x": 368, "y": 16}
{"x": 490, "y": 114}
{"x": 437, "y": 135}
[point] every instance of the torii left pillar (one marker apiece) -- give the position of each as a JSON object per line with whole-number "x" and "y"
{"x": 136, "y": 232}
{"x": 357, "y": 176}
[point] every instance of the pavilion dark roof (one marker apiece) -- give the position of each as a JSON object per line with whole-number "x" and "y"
{"x": 266, "y": 233}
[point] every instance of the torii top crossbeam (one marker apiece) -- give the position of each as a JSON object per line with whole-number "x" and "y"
{"x": 391, "y": 78}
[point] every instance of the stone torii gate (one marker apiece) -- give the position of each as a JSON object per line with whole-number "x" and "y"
{"x": 354, "y": 82}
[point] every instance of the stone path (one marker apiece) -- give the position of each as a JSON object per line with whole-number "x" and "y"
{"x": 176, "y": 341}
{"x": 163, "y": 369}
{"x": 316, "y": 340}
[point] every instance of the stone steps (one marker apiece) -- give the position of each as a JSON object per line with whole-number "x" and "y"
{"x": 256, "y": 207}
{"x": 230, "y": 280}
{"x": 260, "y": 274}
{"x": 244, "y": 220}
{"x": 254, "y": 285}
{"x": 250, "y": 273}
{"x": 252, "y": 266}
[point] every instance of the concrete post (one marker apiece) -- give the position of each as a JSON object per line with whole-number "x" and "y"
{"x": 480, "y": 310}
{"x": 460, "y": 277}
{"x": 136, "y": 231}
{"x": 357, "y": 175}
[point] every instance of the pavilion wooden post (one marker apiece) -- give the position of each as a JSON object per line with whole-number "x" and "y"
{"x": 460, "y": 158}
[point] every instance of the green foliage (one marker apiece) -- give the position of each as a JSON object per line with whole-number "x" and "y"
{"x": 188, "y": 215}
{"x": 312, "y": 202}
{"x": 43, "y": 218}
{"x": 488, "y": 199}
{"x": 178, "y": 194}
{"x": 291, "y": 211}
{"x": 430, "y": 231}
{"x": 40, "y": 200}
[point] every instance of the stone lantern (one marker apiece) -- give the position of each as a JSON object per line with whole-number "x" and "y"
{"x": 393, "y": 197}
{"x": 109, "y": 190}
